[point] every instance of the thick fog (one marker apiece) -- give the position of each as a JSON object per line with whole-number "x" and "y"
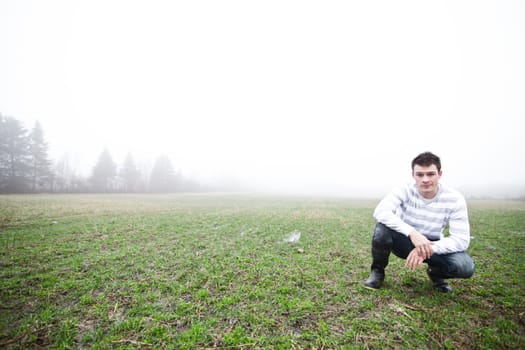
{"x": 282, "y": 96}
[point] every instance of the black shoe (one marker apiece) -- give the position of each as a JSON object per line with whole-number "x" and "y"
{"x": 375, "y": 280}
{"x": 439, "y": 282}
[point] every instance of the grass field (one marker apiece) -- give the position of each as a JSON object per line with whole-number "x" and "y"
{"x": 215, "y": 271}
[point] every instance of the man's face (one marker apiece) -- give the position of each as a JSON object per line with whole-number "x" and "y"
{"x": 427, "y": 180}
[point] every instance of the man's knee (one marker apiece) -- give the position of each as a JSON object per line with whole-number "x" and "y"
{"x": 459, "y": 265}
{"x": 465, "y": 266}
{"x": 382, "y": 236}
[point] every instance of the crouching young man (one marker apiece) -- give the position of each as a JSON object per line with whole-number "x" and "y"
{"x": 411, "y": 221}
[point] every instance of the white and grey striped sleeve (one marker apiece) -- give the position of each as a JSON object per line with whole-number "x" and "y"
{"x": 459, "y": 229}
{"x": 385, "y": 211}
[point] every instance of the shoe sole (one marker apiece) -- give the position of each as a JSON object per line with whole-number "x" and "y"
{"x": 370, "y": 288}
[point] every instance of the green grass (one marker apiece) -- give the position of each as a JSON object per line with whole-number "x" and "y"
{"x": 214, "y": 271}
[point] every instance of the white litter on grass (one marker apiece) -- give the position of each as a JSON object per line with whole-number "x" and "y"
{"x": 293, "y": 237}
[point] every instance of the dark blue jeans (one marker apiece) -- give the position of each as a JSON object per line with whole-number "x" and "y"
{"x": 386, "y": 240}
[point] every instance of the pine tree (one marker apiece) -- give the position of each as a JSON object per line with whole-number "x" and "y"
{"x": 14, "y": 156}
{"x": 163, "y": 177}
{"x": 129, "y": 175}
{"x": 104, "y": 172}
{"x": 40, "y": 163}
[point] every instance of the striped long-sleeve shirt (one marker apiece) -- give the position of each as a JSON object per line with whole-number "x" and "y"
{"x": 404, "y": 210}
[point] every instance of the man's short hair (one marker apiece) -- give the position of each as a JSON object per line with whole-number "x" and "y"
{"x": 427, "y": 159}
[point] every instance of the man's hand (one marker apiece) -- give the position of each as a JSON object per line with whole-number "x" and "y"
{"x": 414, "y": 260}
{"x": 422, "y": 244}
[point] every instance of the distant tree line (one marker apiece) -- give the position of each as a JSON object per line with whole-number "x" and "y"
{"x": 25, "y": 167}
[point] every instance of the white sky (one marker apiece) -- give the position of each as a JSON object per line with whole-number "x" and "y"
{"x": 296, "y": 95}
